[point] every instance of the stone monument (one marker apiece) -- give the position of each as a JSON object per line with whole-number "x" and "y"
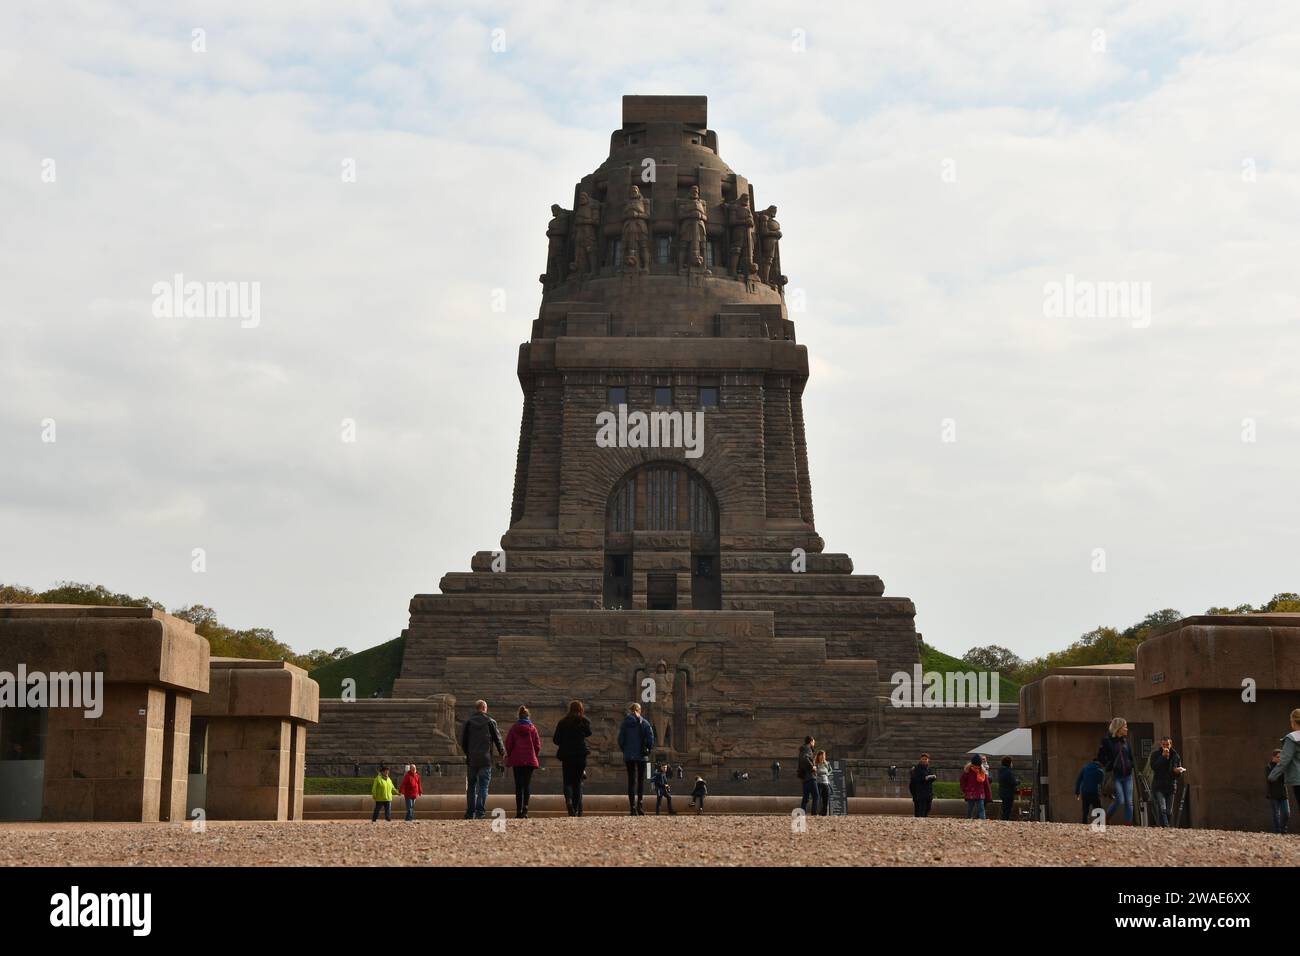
{"x": 690, "y": 577}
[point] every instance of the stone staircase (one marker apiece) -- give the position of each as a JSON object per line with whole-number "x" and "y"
{"x": 371, "y": 732}
{"x": 947, "y": 734}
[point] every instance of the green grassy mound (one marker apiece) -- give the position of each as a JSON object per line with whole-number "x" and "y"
{"x": 935, "y": 660}
{"x": 373, "y": 669}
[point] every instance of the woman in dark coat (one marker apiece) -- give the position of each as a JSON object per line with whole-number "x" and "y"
{"x": 570, "y": 739}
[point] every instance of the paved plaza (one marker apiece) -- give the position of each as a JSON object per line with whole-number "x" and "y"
{"x": 646, "y": 841}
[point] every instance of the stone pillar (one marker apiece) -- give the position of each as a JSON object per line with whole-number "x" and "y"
{"x": 779, "y": 448}
{"x": 801, "y": 455}
{"x": 540, "y": 487}
{"x": 257, "y": 712}
{"x": 122, "y": 763}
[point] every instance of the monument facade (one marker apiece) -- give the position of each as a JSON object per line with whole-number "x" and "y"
{"x": 681, "y": 565}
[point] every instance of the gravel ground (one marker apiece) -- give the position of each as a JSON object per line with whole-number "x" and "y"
{"x": 606, "y": 841}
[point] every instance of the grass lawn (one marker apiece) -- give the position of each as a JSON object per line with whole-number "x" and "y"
{"x": 338, "y": 785}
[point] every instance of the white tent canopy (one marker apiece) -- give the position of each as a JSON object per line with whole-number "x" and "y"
{"x": 1014, "y": 743}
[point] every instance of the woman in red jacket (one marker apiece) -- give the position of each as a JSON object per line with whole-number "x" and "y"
{"x": 410, "y": 789}
{"x": 523, "y": 745}
{"x": 975, "y": 788}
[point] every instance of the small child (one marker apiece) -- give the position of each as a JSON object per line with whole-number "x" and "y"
{"x": 1087, "y": 787}
{"x": 698, "y": 794}
{"x": 382, "y": 789}
{"x": 1277, "y": 795}
{"x": 662, "y": 790}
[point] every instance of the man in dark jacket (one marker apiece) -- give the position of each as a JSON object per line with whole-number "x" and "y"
{"x": 1008, "y": 784}
{"x": 1166, "y": 767}
{"x": 1087, "y": 787}
{"x": 477, "y": 738}
{"x": 920, "y": 784}
{"x": 807, "y": 772}
{"x": 636, "y": 738}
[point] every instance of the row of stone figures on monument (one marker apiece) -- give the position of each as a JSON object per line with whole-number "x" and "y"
{"x": 752, "y": 236}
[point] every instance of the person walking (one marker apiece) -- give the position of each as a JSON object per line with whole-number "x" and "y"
{"x": 382, "y": 789}
{"x": 1087, "y": 787}
{"x": 523, "y": 748}
{"x": 478, "y": 737}
{"x": 776, "y": 771}
{"x": 984, "y": 765}
{"x": 636, "y": 738}
{"x": 663, "y": 791}
{"x": 822, "y": 767}
{"x": 1276, "y": 790}
{"x": 1008, "y": 784}
{"x": 1287, "y": 768}
{"x": 975, "y": 788}
{"x": 570, "y": 739}
{"x": 1166, "y": 767}
{"x": 698, "y": 794}
{"x": 920, "y": 784}
{"x": 411, "y": 790}
{"x": 1116, "y": 757}
{"x": 806, "y": 771}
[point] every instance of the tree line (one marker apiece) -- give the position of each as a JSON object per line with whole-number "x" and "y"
{"x": 1104, "y": 645}
{"x": 254, "y": 642}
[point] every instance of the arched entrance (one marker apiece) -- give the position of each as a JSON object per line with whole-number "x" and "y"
{"x": 677, "y": 505}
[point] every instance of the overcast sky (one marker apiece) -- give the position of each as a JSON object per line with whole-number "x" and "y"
{"x": 937, "y": 167}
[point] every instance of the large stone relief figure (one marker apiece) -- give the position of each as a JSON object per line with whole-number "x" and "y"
{"x": 586, "y": 225}
{"x": 741, "y": 221}
{"x": 663, "y": 706}
{"x": 769, "y": 233}
{"x": 692, "y": 215}
{"x": 636, "y": 233}
{"x": 557, "y": 238}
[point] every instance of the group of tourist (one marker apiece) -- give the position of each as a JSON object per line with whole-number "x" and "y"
{"x": 521, "y": 749}
{"x": 975, "y": 785}
{"x": 1111, "y": 775}
{"x": 814, "y": 770}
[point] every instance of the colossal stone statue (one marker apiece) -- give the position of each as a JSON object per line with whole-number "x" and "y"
{"x": 741, "y": 220}
{"x": 769, "y": 233}
{"x": 692, "y": 215}
{"x": 557, "y": 237}
{"x": 636, "y": 233}
{"x": 586, "y": 223}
